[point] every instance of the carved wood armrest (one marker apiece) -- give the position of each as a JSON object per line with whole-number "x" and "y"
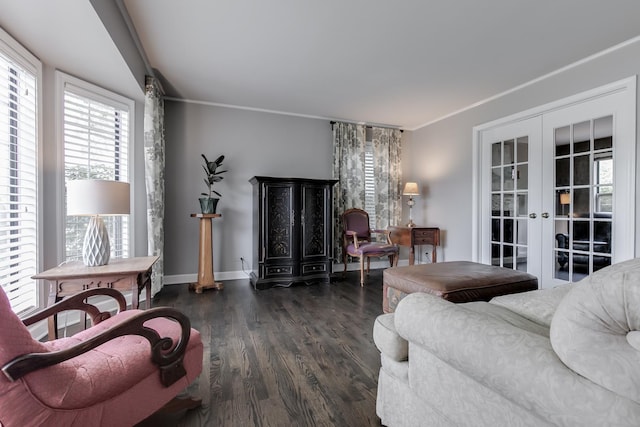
{"x": 77, "y": 302}
{"x": 387, "y": 234}
{"x": 380, "y": 231}
{"x": 167, "y": 358}
{"x": 355, "y": 237}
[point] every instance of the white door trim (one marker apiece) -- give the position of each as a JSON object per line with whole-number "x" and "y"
{"x": 626, "y": 86}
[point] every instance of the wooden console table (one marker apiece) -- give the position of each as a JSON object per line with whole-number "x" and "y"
{"x": 411, "y": 236}
{"x": 125, "y": 274}
{"x": 205, "y": 258}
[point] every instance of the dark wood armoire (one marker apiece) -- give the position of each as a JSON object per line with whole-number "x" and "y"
{"x": 292, "y": 231}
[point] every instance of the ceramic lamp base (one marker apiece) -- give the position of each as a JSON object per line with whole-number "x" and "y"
{"x": 96, "y": 249}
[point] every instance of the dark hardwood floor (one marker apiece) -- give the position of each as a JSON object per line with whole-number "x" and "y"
{"x": 297, "y": 356}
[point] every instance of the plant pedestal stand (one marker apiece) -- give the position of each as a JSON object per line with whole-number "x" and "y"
{"x": 205, "y": 259}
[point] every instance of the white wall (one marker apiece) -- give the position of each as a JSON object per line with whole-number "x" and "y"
{"x": 439, "y": 156}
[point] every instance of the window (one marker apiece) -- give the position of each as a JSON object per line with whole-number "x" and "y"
{"x": 604, "y": 178}
{"x": 19, "y": 76}
{"x": 96, "y": 146}
{"x": 370, "y": 195}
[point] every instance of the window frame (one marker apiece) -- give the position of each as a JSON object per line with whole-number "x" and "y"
{"x": 90, "y": 90}
{"x": 18, "y": 53}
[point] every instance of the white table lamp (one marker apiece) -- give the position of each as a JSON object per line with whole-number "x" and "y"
{"x": 94, "y": 197}
{"x": 410, "y": 189}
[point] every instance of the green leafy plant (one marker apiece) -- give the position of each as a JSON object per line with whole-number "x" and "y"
{"x": 212, "y": 174}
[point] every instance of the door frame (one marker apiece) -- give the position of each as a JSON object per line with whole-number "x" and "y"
{"x": 625, "y": 86}
{"x": 532, "y": 128}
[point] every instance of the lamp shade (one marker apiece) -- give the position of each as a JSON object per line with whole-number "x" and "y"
{"x": 97, "y": 197}
{"x": 565, "y": 198}
{"x": 411, "y": 189}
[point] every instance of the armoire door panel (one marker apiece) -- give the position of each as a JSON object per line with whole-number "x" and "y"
{"x": 279, "y": 222}
{"x": 292, "y": 231}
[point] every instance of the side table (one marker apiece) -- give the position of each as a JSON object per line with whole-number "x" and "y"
{"x": 205, "y": 259}
{"x": 125, "y": 274}
{"x": 412, "y": 236}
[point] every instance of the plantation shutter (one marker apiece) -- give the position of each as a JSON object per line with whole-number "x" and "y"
{"x": 96, "y": 146}
{"x": 18, "y": 182}
{"x": 369, "y": 184}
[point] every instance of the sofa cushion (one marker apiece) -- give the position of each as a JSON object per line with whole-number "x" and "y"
{"x": 387, "y": 339}
{"x": 509, "y": 355}
{"x": 590, "y": 329}
{"x": 633, "y": 338}
{"x": 537, "y": 306}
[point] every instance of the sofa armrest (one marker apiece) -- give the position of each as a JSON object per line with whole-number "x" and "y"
{"x": 481, "y": 341}
{"x": 593, "y": 329}
{"x": 164, "y": 352}
{"x": 387, "y": 339}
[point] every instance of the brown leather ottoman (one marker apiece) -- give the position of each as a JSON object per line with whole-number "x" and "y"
{"x": 455, "y": 281}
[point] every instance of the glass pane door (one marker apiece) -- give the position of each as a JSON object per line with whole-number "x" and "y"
{"x": 583, "y": 197}
{"x": 509, "y": 202}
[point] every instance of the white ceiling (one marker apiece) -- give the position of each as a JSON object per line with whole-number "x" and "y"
{"x": 402, "y": 63}
{"x": 69, "y": 36}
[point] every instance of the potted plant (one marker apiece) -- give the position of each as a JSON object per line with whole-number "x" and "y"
{"x": 212, "y": 175}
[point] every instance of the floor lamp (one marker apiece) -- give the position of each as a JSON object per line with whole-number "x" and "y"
{"x": 95, "y": 197}
{"x": 410, "y": 189}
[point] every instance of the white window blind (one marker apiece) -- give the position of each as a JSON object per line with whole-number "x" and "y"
{"x": 18, "y": 183}
{"x": 370, "y": 184}
{"x": 96, "y": 146}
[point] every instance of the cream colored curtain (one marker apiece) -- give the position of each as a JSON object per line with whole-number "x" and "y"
{"x": 349, "y": 151}
{"x": 348, "y": 169}
{"x": 154, "y": 152}
{"x": 387, "y": 165}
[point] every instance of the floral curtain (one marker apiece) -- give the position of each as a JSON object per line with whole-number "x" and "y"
{"x": 386, "y": 158}
{"x": 350, "y": 148}
{"x": 154, "y": 177}
{"x": 348, "y": 169}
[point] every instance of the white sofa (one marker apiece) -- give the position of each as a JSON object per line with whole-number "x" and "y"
{"x": 567, "y": 356}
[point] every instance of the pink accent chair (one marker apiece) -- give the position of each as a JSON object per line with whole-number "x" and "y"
{"x": 357, "y": 241}
{"x": 115, "y": 373}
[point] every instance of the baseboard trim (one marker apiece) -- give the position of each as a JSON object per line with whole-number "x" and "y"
{"x": 179, "y": 279}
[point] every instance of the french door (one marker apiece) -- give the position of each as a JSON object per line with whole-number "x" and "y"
{"x": 556, "y": 188}
{"x": 512, "y": 194}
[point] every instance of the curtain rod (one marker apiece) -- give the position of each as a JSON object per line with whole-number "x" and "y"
{"x": 333, "y": 122}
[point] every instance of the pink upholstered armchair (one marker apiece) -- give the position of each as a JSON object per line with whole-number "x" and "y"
{"x": 357, "y": 241}
{"x": 115, "y": 373}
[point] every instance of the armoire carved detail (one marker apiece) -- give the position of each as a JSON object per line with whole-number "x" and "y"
{"x": 292, "y": 231}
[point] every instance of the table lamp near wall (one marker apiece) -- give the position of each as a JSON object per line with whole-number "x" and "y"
{"x": 565, "y": 199}
{"x": 94, "y": 197}
{"x": 410, "y": 189}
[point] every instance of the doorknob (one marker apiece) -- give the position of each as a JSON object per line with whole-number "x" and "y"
{"x": 533, "y": 216}
{"x": 545, "y": 215}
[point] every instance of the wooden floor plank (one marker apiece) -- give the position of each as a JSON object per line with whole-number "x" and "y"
{"x": 302, "y": 355}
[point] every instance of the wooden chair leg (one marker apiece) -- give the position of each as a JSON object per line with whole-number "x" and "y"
{"x": 171, "y": 413}
{"x": 361, "y": 271}
{"x": 178, "y": 404}
{"x": 393, "y": 259}
{"x": 344, "y": 261}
